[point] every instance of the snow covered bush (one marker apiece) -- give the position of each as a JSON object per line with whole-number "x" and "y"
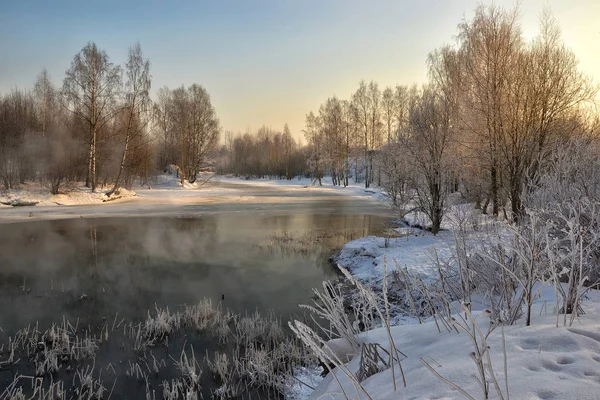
{"x": 566, "y": 196}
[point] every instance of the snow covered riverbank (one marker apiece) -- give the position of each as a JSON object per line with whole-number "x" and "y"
{"x": 543, "y": 361}
{"x": 167, "y": 197}
{"x": 36, "y": 194}
{"x": 415, "y": 250}
{"x": 301, "y": 183}
{"x": 167, "y": 188}
{"x": 551, "y": 359}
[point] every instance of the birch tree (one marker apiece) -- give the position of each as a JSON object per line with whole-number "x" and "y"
{"x": 90, "y": 90}
{"x": 136, "y": 102}
{"x": 428, "y": 143}
{"x": 196, "y": 129}
{"x": 312, "y": 133}
{"x": 361, "y": 105}
{"x": 389, "y": 111}
{"x": 289, "y": 146}
{"x": 489, "y": 45}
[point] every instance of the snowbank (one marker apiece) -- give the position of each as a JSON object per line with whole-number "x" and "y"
{"x": 544, "y": 362}
{"x": 301, "y": 183}
{"x": 40, "y": 195}
{"x": 415, "y": 250}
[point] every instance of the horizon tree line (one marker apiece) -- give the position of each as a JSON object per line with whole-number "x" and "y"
{"x": 485, "y": 124}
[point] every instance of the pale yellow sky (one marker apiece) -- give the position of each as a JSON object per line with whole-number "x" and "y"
{"x": 265, "y": 61}
{"x": 391, "y": 55}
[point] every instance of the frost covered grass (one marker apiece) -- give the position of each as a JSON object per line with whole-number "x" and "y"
{"x": 254, "y": 356}
{"x": 540, "y": 360}
{"x": 292, "y": 243}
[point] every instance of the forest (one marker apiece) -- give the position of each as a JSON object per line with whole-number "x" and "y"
{"x": 497, "y": 110}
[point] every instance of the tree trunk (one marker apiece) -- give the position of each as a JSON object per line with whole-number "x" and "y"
{"x": 494, "y": 188}
{"x": 124, "y": 157}
{"x": 88, "y": 179}
{"x": 515, "y": 200}
{"x": 93, "y": 166}
{"x": 436, "y": 208}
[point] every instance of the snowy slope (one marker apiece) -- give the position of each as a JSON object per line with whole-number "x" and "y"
{"x": 74, "y": 195}
{"x": 544, "y": 362}
{"x": 364, "y": 258}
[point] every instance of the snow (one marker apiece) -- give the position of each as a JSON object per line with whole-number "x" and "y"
{"x": 166, "y": 188}
{"x": 364, "y": 258}
{"x": 544, "y": 362}
{"x": 165, "y": 192}
{"x": 73, "y": 195}
{"x": 305, "y": 379}
{"x": 301, "y": 183}
{"x": 415, "y": 249}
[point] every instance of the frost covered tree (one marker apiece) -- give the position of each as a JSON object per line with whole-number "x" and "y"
{"x": 331, "y": 115}
{"x": 45, "y": 94}
{"x": 489, "y": 44}
{"x": 313, "y": 136}
{"x": 389, "y": 111}
{"x": 428, "y": 141}
{"x": 366, "y": 103}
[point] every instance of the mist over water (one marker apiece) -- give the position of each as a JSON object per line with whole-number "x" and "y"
{"x": 90, "y": 269}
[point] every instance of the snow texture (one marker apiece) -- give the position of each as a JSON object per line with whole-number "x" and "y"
{"x": 544, "y": 362}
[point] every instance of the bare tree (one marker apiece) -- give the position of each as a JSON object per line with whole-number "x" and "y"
{"x": 376, "y": 130}
{"x": 428, "y": 142}
{"x": 289, "y": 146}
{"x": 90, "y": 89}
{"x": 45, "y": 95}
{"x": 389, "y": 102}
{"x": 349, "y": 138}
{"x": 137, "y": 102}
{"x": 196, "y": 128}
{"x": 367, "y": 108}
{"x": 312, "y": 133}
{"x": 489, "y": 45}
{"x": 331, "y": 114}
{"x": 402, "y": 101}
{"x": 18, "y": 118}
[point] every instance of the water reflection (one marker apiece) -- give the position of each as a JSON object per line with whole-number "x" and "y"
{"x": 92, "y": 269}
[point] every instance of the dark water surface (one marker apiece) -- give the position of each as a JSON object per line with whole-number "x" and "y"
{"x": 122, "y": 260}
{"x": 93, "y": 268}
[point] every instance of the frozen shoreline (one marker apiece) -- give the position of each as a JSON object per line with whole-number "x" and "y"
{"x": 167, "y": 197}
{"x": 543, "y": 360}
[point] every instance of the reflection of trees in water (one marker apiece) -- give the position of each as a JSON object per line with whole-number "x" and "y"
{"x": 330, "y": 234}
{"x": 128, "y": 265}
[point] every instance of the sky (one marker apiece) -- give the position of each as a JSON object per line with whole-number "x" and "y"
{"x": 264, "y": 62}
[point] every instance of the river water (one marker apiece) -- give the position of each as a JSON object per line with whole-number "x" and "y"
{"x": 253, "y": 255}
